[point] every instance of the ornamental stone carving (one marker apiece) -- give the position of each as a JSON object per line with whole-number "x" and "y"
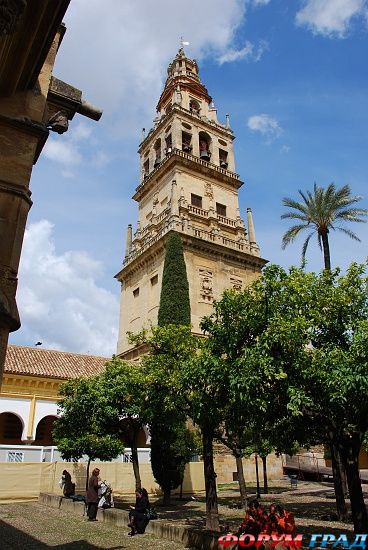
{"x": 10, "y": 12}
{"x": 208, "y": 191}
{"x": 206, "y": 284}
{"x": 236, "y": 284}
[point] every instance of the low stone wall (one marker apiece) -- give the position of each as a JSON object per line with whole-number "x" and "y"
{"x": 194, "y": 538}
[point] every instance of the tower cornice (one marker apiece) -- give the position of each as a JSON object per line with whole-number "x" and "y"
{"x": 136, "y": 261}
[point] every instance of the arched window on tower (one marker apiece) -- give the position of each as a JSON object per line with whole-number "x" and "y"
{"x": 204, "y": 146}
{"x": 186, "y": 140}
{"x": 194, "y": 107}
{"x": 168, "y": 143}
{"x": 157, "y": 153}
{"x": 223, "y": 159}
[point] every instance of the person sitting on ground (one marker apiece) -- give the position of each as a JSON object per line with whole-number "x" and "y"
{"x": 253, "y": 521}
{"x": 138, "y": 514}
{"x": 285, "y": 521}
{"x": 68, "y": 487}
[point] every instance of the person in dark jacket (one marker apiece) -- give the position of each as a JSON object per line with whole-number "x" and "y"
{"x": 68, "y": 487}
{"x": 138, "y": 513}
{"x": 92, "y": 495}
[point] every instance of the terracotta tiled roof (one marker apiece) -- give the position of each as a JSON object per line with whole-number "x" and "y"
{"x": 51, "y": 363}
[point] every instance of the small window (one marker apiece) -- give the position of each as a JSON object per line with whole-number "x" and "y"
{"x": 136, "y": 292}
{"x": 15, "y": 456}
{"x": 221, "y": 209}
{"x": 196, "y": 200}
{"x": 154, "y": 280}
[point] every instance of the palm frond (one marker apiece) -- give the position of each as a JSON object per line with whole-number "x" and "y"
{"x": 291, "y": 234}
{"x": 305, "y": 245}
{"x": 295, "y": 216}
{"x": 349, "y": 233}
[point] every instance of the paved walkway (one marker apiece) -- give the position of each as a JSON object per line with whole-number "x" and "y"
{"x": 31, "y": 526}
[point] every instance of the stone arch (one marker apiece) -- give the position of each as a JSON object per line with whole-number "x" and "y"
{"x": 194, "y": 106}
{"x": 205, "y": 143}
{"x": 11, "y": 429}
{"x": 44, "y": 431}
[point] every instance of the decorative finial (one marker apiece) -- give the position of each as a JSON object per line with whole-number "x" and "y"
{"x": 143, "y": 133}
{"x": 227, "y": 121}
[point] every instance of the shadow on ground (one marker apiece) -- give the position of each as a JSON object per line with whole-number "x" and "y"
{"x": 14, "y": 539}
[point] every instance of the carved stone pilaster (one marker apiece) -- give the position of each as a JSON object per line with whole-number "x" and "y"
{"x": 9, "y": 316}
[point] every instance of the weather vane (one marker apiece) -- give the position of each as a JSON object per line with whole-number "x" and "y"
{"x": 183, "y": 43}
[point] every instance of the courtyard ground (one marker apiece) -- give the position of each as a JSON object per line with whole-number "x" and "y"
{"x": 34, "y": 526}
{"x": 31, "y": 526}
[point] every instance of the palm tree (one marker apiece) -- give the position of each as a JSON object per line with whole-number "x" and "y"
{"x": 321, "y": 211}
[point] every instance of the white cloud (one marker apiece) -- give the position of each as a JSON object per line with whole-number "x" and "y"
{"x": 249, "y": 52}
{"x": 145, "y": 39}
{"x": 267, "y": 125}
{"x": 330, "y": 17}
{"x": 261, "y": 2}
{"x": 59, "y": 298}
{"x": 64, "y": 152}
{"x": 285, "y": 149}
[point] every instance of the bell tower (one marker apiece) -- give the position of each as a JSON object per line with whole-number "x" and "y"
{"x": 189, "y": 185}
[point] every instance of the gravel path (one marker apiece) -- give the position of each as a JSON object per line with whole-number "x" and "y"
{"x": 31, "y": 526}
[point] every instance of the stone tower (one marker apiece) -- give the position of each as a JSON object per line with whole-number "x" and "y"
{"x": 189, "y": 185}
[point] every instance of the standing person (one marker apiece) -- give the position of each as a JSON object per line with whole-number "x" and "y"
{"x": 138, "y": 513}
{"x": 92, "y": 495}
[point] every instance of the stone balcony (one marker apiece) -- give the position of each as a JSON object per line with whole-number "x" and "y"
{"x": 180, "y": 157}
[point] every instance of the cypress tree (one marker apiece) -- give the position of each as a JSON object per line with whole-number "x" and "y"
{"x": 174, "y": 300}
{"x": 169, "y": 441}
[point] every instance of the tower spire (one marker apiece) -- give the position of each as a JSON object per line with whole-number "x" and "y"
{"x": 128, "y": 240}
{"x": 251, "y": 232}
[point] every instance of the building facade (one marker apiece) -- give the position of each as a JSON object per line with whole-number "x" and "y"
{"x": 189, "y": 185}
{"x": 28, "y": 401}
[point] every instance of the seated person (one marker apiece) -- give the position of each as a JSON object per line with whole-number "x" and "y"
{"x": 285, "y": 521}
{"x": 68, "y": 486}
{"x": 254, "y": 520}
{"x": 138, "y": 513}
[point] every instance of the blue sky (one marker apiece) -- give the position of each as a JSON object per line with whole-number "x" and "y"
{"x": 292, "y": 75}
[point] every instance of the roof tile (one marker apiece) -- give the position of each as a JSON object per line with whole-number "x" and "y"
{"x": 51, "y": 363}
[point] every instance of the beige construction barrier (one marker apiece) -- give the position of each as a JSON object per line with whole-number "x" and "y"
{"x": 25, "y": 481}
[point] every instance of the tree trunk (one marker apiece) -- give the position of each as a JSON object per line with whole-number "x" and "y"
{"x": 135, "y": 462}
{"x": 257, "y": 476}
{"x": 212, "y": 517}
{"x": 87, "y": 478}
{"x": 167, "y": 497}
{"x": 339, "y": 480}
{"x": 326, "y": 249}
{"x": 265, "y": 481}
{"x": 241, "y": 480}
{"x": 358, "y": 508}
